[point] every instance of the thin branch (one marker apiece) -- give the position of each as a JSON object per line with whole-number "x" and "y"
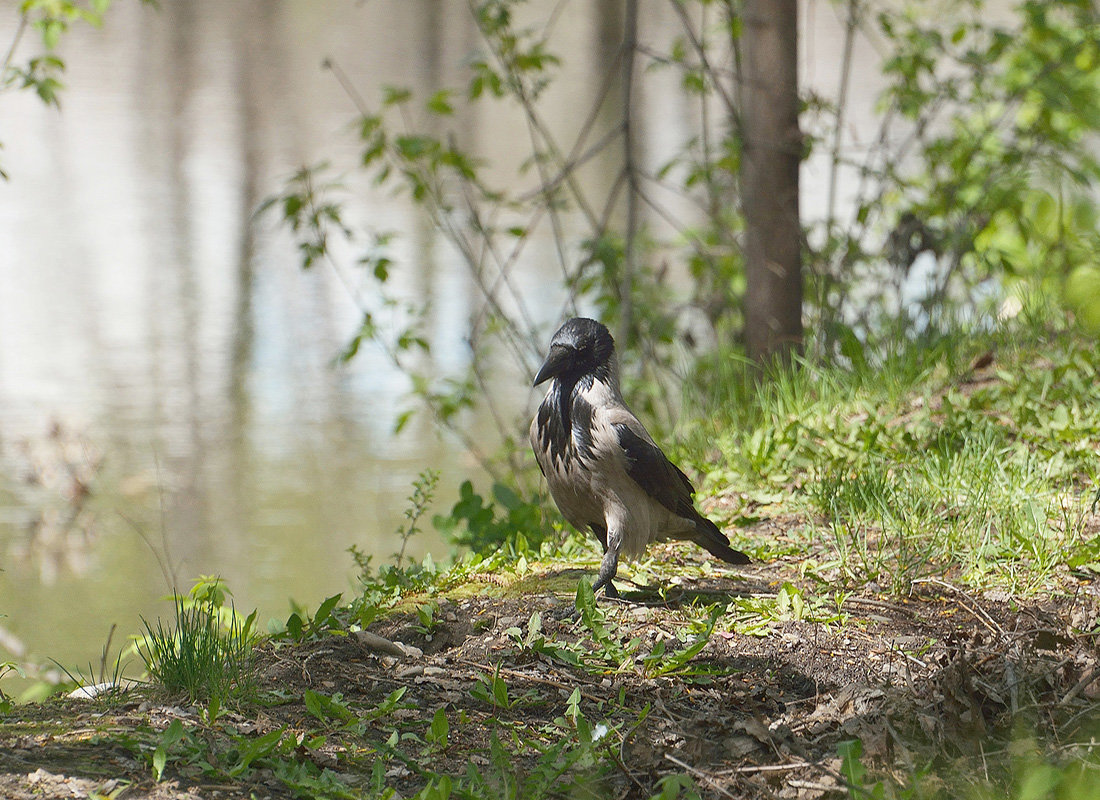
{"x": 23, "y": 22}
{"x": 841, "y": 108}
{"x": 345, "y": 83}
{"x": 974, "y": 608}
{"x": 700, "y": 51}
{"x": 626, "y": 288}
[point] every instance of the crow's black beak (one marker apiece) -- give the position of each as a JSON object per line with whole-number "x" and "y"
{"x": 555, "y": 363}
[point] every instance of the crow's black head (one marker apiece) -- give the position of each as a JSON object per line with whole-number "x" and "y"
{"x": 580, "y": 347}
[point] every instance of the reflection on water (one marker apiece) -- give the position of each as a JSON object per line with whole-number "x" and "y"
{"x": 168, "y": 402}
{"x": 168, "y": 399}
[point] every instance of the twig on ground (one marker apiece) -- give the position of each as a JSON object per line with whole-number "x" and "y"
{"x": 754, "y": 768}
{"x": 974, "y": 608}
{"x": 699, "y": 774}
{"x": 1091, "y": 674}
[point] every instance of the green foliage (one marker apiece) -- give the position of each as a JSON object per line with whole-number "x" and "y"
{"x": 7, "y": 668}
{"x": 383, "y": 588}
{"x": 236, "y": 759}
{"x": 419, "y": 500}
{"x": 493, "y": 690}
{"x": 301, "y": 625}
{"x": 674, "y": 787}
{"x": 661, "y": 662}
{"x": 308, "y": 211}
{"x": 51, "y": 19}
{"x": 605, "y": 651}
{"x": 438, "y": 730}
{"x": 485, "y": 527}
{"x": 1023, "y": 775}
{"x": 855, "y": 774}
{"x": 172, "y": 734}
{"x": 758, "y": 615}
{"x": 40, "y": 74}
{"x": 207, "y": 653}
{"x": 993, "y": 174}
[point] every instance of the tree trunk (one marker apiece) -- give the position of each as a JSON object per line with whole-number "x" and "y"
{"x": 772, "y": 152}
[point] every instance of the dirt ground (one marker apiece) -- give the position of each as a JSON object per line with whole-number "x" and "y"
{"x": 941, "y": 676}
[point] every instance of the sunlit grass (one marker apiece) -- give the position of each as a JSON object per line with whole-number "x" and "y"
{"x": 921, "y": 464}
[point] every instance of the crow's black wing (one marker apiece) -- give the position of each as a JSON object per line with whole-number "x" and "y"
{"x": 660, "y": 478}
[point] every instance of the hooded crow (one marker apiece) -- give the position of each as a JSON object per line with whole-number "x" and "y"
{"x": 604, "y": 471}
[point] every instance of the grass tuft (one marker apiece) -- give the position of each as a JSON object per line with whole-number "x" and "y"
{"x": 207, "y": 654}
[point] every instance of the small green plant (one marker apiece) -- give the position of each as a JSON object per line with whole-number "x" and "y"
{"x": 419, "y": 500}
{"x": 660, "y": 661}
{"x": 168, "y": 739}
{"x": 758, "y": 615}
{"x": 427, "y": 619}
{"x": 493, "y": 689}
{"x": 571, "y": 761}
{"x": 855, "y": 774}
{"x": 207, "y": 653}
{"x": 510, "y": 522}
{"x": 438, "y": 730}
{"x": 329, "y": 710}
{"x": 608, "y": 649}
{"x": 676, "y": 787}
{"x": 6, "y": 668}
{"x": 232, "y": 757}
{"x": 422, "y": 494}
{"x": 301, "y": 625}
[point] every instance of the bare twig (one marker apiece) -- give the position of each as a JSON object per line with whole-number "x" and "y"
{"x": 700, "y": 51}
{"x": 974, "y": 608}
{"x": 160, "y": 562}
{"x": 1091, "y": 674}
{"x": 23, "y": 22}
{"x": 751, "y": 769}
{"x": 699, "y": 774}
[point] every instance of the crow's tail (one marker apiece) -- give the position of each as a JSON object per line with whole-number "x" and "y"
{"x": 708, "y": 536}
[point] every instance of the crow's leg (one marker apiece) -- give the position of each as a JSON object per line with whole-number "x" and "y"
{"x": 601, "y": 535}
{"x": 608, "y": 567}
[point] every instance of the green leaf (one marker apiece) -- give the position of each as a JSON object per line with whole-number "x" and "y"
{"x": 439, "y": 103}
{"x": 294, "y": 626}
{"x": 853, "y": 771}
{"x": 172, "y": 734}
{"x": 324, "y": 611}
{"x": 326, "y": 708}
{"x": 500, "y": 692}
{"x": 437, "y": 733}
{"x": 160, "y": 757}
{"x": 399, "y": 425}
{"x": 585, "y": 601}
{"x": 382, "y": 268}
{"x": 394, "y": 95}
{"x": 573, "y": 706}
{"x": 250, "y": 750}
